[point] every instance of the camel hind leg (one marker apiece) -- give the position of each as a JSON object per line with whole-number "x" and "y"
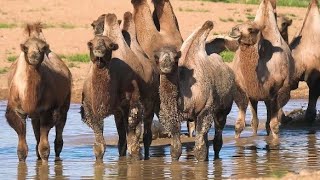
{"x": 219, "y": 124}
{"x": 60, "y": 118}
{"x": 19, "y": 125}
{"x": 255, "y": 119}
{"x": 241, "y": 101}
{"x": 36, "y": 131}
{"x": 314, "y": 93}
{"x": 147, "y": 133}
{"x": 121, "y": 128}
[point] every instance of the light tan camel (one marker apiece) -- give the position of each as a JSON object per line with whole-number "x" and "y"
{"x": 305, "y": 51}
{"x": 264, "y": 68}
{"x": 39, "y": 88}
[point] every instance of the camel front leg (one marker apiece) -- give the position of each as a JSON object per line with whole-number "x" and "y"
{"x": 99, "y": 146}
{"x": 204, "y": 122}
{"x": 58, "y": 142}
{"x": 135, "y": 119}
{"x": 46, "y": 123}
{"x": 241, "y": 101}
{"x": 19, "y": 125}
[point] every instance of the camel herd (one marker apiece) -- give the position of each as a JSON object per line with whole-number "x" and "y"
{"x": 141, "y": 66}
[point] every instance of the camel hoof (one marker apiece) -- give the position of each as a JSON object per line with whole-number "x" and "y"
{"x": 99, "y": 150}
{"x": 201, "y": 154}
{"x": 57, "y": 159}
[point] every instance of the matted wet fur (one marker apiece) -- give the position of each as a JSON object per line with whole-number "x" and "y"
{"x": 131, "y": 83}
{"x": 39, "y": 88}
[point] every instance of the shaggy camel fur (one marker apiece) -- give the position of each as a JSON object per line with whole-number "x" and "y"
{"x": 39, "y": 88}
{"x": 129, "y": 87}
{"x": 264, "y": 68}
{"x": 205, "y": 86}
{"x": 305, "y": 51}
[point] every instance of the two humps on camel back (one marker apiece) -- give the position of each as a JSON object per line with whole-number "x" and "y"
{"x": 196, "y": 86}
{"x": 39, "y": 88}
{"x": 120, "y": 83}
{"x": 264, "y": 68}
{"x": 157, "y": 30}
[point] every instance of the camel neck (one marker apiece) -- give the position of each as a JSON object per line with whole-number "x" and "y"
{"x": 249, "y": 58}
{"x": 101, "y": 87}
{"x": 32, "y": 91}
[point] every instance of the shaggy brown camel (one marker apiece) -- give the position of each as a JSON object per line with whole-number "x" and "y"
{"x": 129, "y": 87}
{"x": 305, "y": 51}
{"x": 264, "y": 68}
{"x": 206, "y": 89}
{"x": 39, "y": 88}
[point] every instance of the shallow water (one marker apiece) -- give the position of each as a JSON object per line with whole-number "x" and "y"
{"x": 243, "y": 158}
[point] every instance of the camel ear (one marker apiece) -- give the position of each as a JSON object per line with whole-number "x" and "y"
{"x": 253, "y": 30}
{"x": 45, "y": 47}
{"x": 93, "y": 24}
{"x": 24, "y": 48}
{"x": 119, "y": 22}
{"x": 290, "y": 22}
{"x": 90, "y": 45}
{"x": 113, "y": 46}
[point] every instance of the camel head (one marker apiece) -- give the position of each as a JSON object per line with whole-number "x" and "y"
{"x": 34, "y": 50}
{"x": 246, "y": 33}
{"x": 101, "y": 48}
{"x": 283, "y": 23}
{"x": 167, "y": 59}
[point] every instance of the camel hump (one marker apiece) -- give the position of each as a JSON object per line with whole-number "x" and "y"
{"x": 127, "y": 17}
{"x": 33, "y": 29}
{"x": 111, "y": 19}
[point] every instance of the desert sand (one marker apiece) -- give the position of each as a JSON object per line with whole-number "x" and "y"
{"x": 69, "y": 27}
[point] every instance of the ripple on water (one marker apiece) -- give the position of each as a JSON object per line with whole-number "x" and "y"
{"x": 247, "y": 157}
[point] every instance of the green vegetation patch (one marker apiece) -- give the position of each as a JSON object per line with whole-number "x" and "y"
{"x": 76, "y": 57}
{"x": 12, "y": 58}
{"x": 227, "y": 56}
{"x": 3, "y": 70}
{"x": 7, "y": 26}
{"x": 193, "y": 10}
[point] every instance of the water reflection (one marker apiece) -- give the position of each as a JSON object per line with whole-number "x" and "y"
{"x": 247, "y": 157}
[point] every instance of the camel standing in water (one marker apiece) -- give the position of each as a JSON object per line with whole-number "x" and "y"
{"x": 305, "y": 51}
{"x": 264, "y": 68}
{"x": 39, "y": 88}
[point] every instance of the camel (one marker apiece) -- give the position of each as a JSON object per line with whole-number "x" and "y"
{"x": 39, "y": 88}
{"x": 264, "y": 68}
{"x": 195, "y": 86}
{"x": 305, "y": 46}
{"x": 98, "y": 25}
{"x": 121, "y": 84}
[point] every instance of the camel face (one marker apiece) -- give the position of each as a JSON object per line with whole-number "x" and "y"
{"x": 246, "y": 33}
{"x": 284, "y": 23}
{"x": 167, "y": 60}
{"x": 34, "y": 50}
{"x": 101, "y": 48}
